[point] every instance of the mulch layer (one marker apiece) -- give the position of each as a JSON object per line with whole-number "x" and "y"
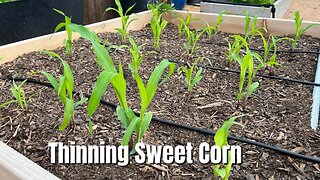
{"x": 278, "y": 112}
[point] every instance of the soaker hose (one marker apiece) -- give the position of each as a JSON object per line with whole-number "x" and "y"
{"x": 191, "y": 128}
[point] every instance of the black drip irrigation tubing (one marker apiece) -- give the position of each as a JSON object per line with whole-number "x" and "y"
{"x": 191, "y": 128}
{"x": 278, "y": 51}
{"x": 238, "y": 72}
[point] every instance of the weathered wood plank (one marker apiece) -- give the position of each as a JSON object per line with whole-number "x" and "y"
{"x": 94, "y": 11}
{"x": 15, "y": 166}
{"x": 11, "y": 51}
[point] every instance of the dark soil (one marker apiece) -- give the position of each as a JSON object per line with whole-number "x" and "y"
{"x": 278, "y": 112}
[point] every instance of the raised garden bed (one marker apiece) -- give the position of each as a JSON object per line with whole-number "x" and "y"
{"x": 276, "y": 10}
{"x": 279, "y": 110}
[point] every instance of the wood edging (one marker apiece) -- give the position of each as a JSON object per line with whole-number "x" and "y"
{"x": 15, "y": 166}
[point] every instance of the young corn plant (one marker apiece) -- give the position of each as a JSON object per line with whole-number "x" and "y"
{"x": 192, "y": 37}
{"x": 299, "y": 29}
{"x": 157, "y": 22}
{"x": 184, "y": 22}
{"x": 213, "y": 30}
{"x": 125, "y": 19}
{"x": 248, "y": 71}
{"x": 191, "y": 79}
{"x": 64, "y": 89}
{"x": 19, "y": 96}
{"x": 137, "y": 56}
{"x": 221, "y": 139}
{"x": 269, "y": 58}
{"x": 129, "y": 120}
{"x": 147, "y": 92}
{"x": 234, "y": 48}
{"x": 65, "y": 24}
{"x": 247, "y": 26}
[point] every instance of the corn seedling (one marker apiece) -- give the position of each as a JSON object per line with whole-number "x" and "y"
{"x": 247, "y": 26}
{"x": 213, "y": 30}
{"x": 147, "y": 93}
{"x": 221, "y": 139}
{"x": 19, "y": 96}
{"x": 64, "y": 89}
{"x": 183, "y": 23}
{"x": 65, "y": 24}
{"x": 188, "y": 72}
{"x": 110, "y": 75}
{"x": 268, "y": 46}
{"x": 137, "y": 56}
{"x": 234, "y": 48}
{"x": 157, "y": 23}
{"x": 248, "y": 71}
{"x": 193, "y": 37}
{"x": 125, "y": 19}
{"x": 299, "y": 29}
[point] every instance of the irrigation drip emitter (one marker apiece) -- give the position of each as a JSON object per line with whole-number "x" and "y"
{"x": 187, "y": 127}
{"x": 238, "y": 72}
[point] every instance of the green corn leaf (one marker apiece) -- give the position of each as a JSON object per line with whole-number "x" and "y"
{"x": 219, "y": 172}
{"x": 112, "y": 9}
{"x": 62, "y": 90}
{"x": 103, "y": 57}
{"x": 7, "y": 103}
{"x": 129, "y": 131}
{"x": 145, "y": 123}
{"x": 122, "y": 116}
{"x": 221, "y": 136}
{"x": 120, "y": 87}
{"x": 100, "y": 87}
{"x": 58, "y": 27}
{"x": 82, "y": 101}
{"x": 196, "y": 78}
{"x": 52, "y": 80}
{"x": 68, "y": 114}
{"x": 253, "y": 87}
{"x": 155, "y": 78}
{"x": 129, "y": 9}
{"x": 69, "y": 80}
{"x": 60, "y": 12}
{"x": 84, "y": 32}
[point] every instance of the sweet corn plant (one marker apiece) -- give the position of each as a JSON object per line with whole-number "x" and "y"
{"x": 68, "y": 41}
{"x": 137, "y": 56}
{"x": 157, "y": 22}
{"x": 125, "y": 19}
{"x": 184, "y": 22}
{"x": 19, "y": 96}
{"x": 129, "y": 120}
{"x": 269, "y": 59}
{"x": 221, "y": 139}
{"x": 234, "y": 48}
{"x": 299, "y": 29}
{"x": 247, "y": 26}
{"x": 192, "y": 79}
{"x": 64, "y": 89}
{"x": 192, "y": 38}
{"x": 248, "y": 70}
{"x": 213, "y": 30}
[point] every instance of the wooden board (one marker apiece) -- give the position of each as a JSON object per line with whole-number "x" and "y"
{"x": 236, "y": 23}
{"x": 49, "y": 42}
{"x": 15, "y": 166}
